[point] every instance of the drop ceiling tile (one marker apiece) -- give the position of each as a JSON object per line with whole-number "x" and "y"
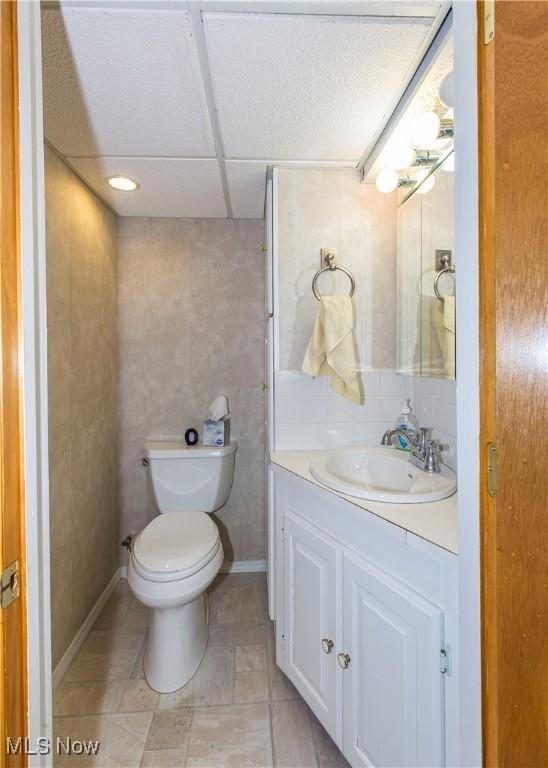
{"x": 168, "y": 187}
{"x": 306, "y": 87}
{"x": 247, "y": 185}
{"x": 123, "y": 82}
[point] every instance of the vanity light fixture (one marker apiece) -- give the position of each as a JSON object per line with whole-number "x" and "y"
{"x": 428, "y": 127}
{"x": 122, "y": 183}
{"x": 400, "y": 157}
{"x": 387, "y": 180}
{"x": 447, "y": 91}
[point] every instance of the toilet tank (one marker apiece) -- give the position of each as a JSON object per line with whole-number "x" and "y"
{"x": 189, "y": 478}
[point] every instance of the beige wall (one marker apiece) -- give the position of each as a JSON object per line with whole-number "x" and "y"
{"x": 331, "y": 208}
{"x": 191, "y": 304}
{"x": 82, "y": 382}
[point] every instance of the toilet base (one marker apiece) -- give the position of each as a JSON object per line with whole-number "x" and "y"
{"x": 175, "y": 644}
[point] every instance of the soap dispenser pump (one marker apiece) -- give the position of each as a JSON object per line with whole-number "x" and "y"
{"x": 406, "y": 422}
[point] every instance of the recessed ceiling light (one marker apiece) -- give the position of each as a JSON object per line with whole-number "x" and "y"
{"x": 122, "y": 183}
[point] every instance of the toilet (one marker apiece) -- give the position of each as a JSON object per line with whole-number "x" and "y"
{"x": 176, "y": 557}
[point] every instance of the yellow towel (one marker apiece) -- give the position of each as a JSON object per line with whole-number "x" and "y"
{"x": 332, "y": 350}
{"x": 445, "y": 329}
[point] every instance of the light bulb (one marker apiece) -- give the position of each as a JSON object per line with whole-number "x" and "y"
{"x": 425, "y": 181}
{"x": 122, "y": 183}
{"x": 387, "y": 180}
{"x": 447, "y": 91}
{"x": 425, "y": 129}
{"x": 400, "y": 157}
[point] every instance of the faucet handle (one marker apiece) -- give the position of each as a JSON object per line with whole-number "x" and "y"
{"x": 432, "y": 456}
{"x": 424, "y": 439}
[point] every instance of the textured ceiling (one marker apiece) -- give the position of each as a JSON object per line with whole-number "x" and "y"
{"x": 123, "y": 83}
{"x": 194, "y": 105}
{"x": 306, "y": 87}
{"x": 168, "y": 186}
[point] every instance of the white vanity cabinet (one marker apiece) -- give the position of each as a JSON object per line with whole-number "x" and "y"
{"x": 365, "y": 616}
{"x": 310, "y": 595}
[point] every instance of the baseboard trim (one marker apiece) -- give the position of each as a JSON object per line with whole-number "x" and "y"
{"x": 83, "y": 632}
{"x": 244, "y": 566}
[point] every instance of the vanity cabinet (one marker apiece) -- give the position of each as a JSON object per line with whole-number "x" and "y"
{"x": 361, "y": 613}
{"x": 393, "y": 690}
{"x": 310, "y": 596}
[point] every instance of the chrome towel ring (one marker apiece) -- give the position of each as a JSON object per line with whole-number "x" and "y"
{"x": 446, "y": 269}
{"x": 332, "y": 268}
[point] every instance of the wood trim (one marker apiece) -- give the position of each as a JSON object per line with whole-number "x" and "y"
{"x": 513, "y": 112}
{"x": 13, "y": 640}
{"x": 488, "y": 433}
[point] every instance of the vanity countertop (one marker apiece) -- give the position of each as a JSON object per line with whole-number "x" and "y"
{"x": 435, "y": 521}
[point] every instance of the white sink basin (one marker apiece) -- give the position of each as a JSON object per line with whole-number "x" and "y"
{"x": 381, "y": 474}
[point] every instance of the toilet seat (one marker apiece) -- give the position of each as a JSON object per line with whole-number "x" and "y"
{"x": 175, "y": 545}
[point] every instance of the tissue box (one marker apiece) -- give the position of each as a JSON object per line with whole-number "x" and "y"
{"x": 216, "y": 433}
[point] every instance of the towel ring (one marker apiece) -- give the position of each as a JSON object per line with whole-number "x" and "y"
{"x": 331, "y": 268}
{"x": 444, "y": 271}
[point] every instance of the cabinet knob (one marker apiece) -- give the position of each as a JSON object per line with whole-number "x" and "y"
{"x": 344, "y": 660}
{"x": 327, "y": 645}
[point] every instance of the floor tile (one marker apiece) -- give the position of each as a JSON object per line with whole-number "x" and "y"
{"x": 327, "y": 752}
{"x": 138, "y": 696}
{"x": 251, "y": 685}
{"x": 226, "y": 581}
{"x": 164, "y": 758}
{"x": 293, "y": 744}
{"x": 212, "y": 684}
{"x": 238, "y": 605}
{"x": 249, "y": 657}
{"x": 116, "y": 608}
{"x": 121, "y": 739}
{"x": 138, "y": 669}
{"x": 238, "y": 634}
{"x": 169, "y": 730}
{"x": 91, "y": 698}
{"x": 136, "y": 617}
{"x": 106, "y": 654}
{"x": 230, "y": 737}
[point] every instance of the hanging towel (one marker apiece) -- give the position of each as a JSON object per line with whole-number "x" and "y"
{"x": 445, "y": 328}
{"x": 332, "y": 349}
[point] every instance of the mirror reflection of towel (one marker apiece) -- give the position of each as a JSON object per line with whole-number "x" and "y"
{"x": 445, "y": 329}
{"x": 332, "y": 350}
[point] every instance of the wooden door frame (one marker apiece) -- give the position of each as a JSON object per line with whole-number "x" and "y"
{"x": 34, "y": 375}
{"x": 13, "y": 617}
{"x": 514, "y": 275}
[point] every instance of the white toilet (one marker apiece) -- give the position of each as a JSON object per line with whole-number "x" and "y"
{"x": 176, "y": 557}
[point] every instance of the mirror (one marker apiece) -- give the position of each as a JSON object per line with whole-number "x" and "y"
{"x": 426, "y": 277}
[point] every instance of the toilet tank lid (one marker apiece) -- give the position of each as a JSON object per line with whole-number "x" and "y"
{"x": 178, "y": 449}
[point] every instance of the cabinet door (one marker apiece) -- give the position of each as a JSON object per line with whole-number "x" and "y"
{"x": 393, "y": 687}
{"x": 310, "y": 588}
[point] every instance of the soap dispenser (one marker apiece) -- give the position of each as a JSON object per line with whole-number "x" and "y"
{"x": 408, "y": 423}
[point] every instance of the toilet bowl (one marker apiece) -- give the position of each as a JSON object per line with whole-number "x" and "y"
{"x": 177, "y": 555}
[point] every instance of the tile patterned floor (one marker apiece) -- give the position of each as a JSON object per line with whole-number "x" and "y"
{"x": 239, "y": 710}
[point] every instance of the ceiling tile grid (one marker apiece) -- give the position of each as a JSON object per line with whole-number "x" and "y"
{"x": 143, "y": 91}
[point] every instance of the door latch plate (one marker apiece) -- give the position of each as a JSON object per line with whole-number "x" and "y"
{"x": 10, "y": 584}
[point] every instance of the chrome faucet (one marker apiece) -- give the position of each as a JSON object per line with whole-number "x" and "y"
{"x": 425, "y": 452}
